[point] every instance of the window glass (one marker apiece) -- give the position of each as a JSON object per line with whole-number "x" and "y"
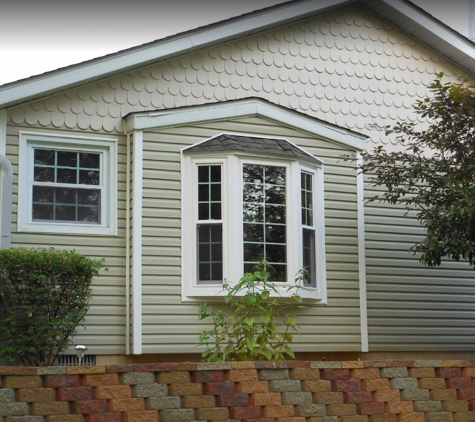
{"x": 308, "y": 231}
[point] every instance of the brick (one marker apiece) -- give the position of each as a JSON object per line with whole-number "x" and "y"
{"x": 142, "y": 416}
{"x": 273, "y": 374}
{"x": 335, "y": 374}
{"x": 278, "y": 411}
{"x": 13, "y": 409}
{"x": 307, "y": 410}
{"x": 261, "y": 420}
{"x": 464, "y": 416}
{"x": 400, "y": 407}
{"x": 192, "y": 389}
{"x": 7, "y": 395}
{"x": 387, "y": 417}
{"x": 216, "y": 388}
{"x": 104, "y": 417}
{"x": 212, "y": 414}
{"x": 243, "y": 365}
{"x": 22, "y": 419}
{"x": 126, "y": 405}
{"x": 284, "y": 385}
{"x": 315, "y": 386}
{"x": 250, "y": 387}
{"x": 293, "y": 397}
{"x": 304, "y": 374}
{"x": 21, "y": 381}
{"x": 455, "y": 406}
{"x": 173, "y": 377}
{"x": 365, "y": 373}
{"x": 352, "y": 364}
{"x": 415, "y": 395}
{"x": 246, "y": 412}
{"x": 135, "y": 378}
{"x": 427, "y": 406}
{"x": 389, "y": 363}
{"x": 471, "y": 405}
{"x": 355, "y": 418}
{"x": 267, "y": 399}
{"x": 51, "y": 370}
{"x": 65, "y": 418}
{"x": 341, "y": 409}
{"x": 119, "y": 368}
{"x": 177, "y": 415}
{"x": 448, "y": 372}
{"x": 160, "y": 403}
{"x": 49, "y": 408}
{"x": 198, "y": 401}
{"x": 386, "y": 395}
{"x": 411, "y": 417}
{"x": 422, "y": 372}
{"x": 113, "y": 392}
{"x": 346, "y": 385}
{"x": 468, "y": 372}
{"x": 17, "y": 370}
{"x": 358, "y": 397}
{"x": 325, "y": 397}
{"x": 400, "y": 372}
{"x": 428, "y": 363}
{"x": 458, "y": 383}
{"x": 443, "y": 395}
{"x": 207, "y": 376}
{"x": 403, "y": 383}
{"x": 100, "y": 379}
{"x": 466, "y": 394}
{"x": 457, "y": 363}
{"x": 242, "y": 375}
{"x": 291, "y": 419}
{"x": 213, "y": 366}
{"x": 149, "y": 390}
{"x": 432, "y": 383}
{"x": 439, "y": 417}
{"x": 74, "y": 393}
{"x": 61, "y": 381}
{"x": 82, "y": 370}
{"x": 375, "y": 384}
{"x": 371, "y": 408}
{"x": 325, "y": 365}
{"x": 152, "y": 367}
{"x": 89, "y": 406}
{"x": 232, "y": 400}
{"x": 180, "y": 366}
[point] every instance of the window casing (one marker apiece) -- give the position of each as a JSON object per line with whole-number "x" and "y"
{"x": 264, "y": 211}
{"x": 67, "y": 184}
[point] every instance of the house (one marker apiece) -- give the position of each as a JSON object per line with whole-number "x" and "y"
{"x": 183, "y": 160}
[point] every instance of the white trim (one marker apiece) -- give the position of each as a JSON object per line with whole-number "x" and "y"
{"x": 362, "y": 256}
{"x": 137, "y": 243}
{"x": 61, "y": 79}
{"x": 242, "y": 108}
{"x": 4, "y": 208}
{"x": 127, "y": 252}
{"x": 107, "y": 147}
{"x": 3, "y": 132}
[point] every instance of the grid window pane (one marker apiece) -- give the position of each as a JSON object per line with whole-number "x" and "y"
{"x": 309, "y": 257}
{"x": 209, "y": 192}
{"x": 44, "y": 157}
{"x": 264, "y": 217}
{"x": 307, "y": 200}
{"x": 67, "y": 159}
{"x": 210, "y": 253}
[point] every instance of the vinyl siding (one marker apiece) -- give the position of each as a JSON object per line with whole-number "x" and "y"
{"x": 105, "y": 320}
{"x": 167, "y": 322}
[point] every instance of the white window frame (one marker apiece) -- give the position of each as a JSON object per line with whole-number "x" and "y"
{"x": 106, "y": 147}
{"x": 232, "y": 221}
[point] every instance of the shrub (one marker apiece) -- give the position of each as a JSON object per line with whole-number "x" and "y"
{"x": 45, "y": 295}
{"x": 259, "y": 324}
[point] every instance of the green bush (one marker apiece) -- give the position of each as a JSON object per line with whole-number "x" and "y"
{"x": 44, "y": 295}
{"x": 257, "y": 325}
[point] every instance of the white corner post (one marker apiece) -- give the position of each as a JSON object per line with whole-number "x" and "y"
{"x": 6, "y": 178}
{"x": 362, "y": 256}
{"x": 136, "y": 259}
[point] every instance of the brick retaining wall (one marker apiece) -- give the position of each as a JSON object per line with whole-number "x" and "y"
{"x": 384, "y": 391}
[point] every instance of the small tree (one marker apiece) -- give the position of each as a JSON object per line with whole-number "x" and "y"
{"x": 435, "y": 172}
{"x": 44, "y": 296}
{"x": 256, "y": 325}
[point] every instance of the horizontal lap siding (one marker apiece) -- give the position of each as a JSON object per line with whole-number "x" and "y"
{"x": 105, "y": 320}
{"x": 411, "y": 306}
{"x": 168, "y": 323}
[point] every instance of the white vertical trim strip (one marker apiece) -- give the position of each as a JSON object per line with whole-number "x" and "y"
{"x": 362, "y": 256}
{"x": 137, "y": 244}
{"x": 3, "y": 132}
{"x": 127, "y": 251}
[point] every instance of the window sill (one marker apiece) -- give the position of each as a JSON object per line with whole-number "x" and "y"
{"x": 74, "y": 229}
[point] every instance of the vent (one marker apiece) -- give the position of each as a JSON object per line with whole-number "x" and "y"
{"x": 73, "y": 360}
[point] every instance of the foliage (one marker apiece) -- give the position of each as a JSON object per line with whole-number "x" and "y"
{"x": 257, "y": 325}
{"x": 435, "y": 172}
{"x": 44, "y": 295}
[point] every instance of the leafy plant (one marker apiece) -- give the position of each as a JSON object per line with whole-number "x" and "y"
{"x": 256, "y": 324}
{"x": 44, "y": 295}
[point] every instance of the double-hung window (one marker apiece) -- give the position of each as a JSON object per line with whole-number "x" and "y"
{"x": 67, "y": 185}
{"x": 241, "y": 205}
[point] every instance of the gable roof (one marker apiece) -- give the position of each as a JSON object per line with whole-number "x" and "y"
{"x": 401, "y": 13}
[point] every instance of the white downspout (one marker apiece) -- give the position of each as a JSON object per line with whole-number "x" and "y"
{"x": 7, "y": 186}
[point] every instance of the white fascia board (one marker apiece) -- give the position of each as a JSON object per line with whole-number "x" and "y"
{"x": 433, "y": 27}
{"x": 230, "y": 110}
